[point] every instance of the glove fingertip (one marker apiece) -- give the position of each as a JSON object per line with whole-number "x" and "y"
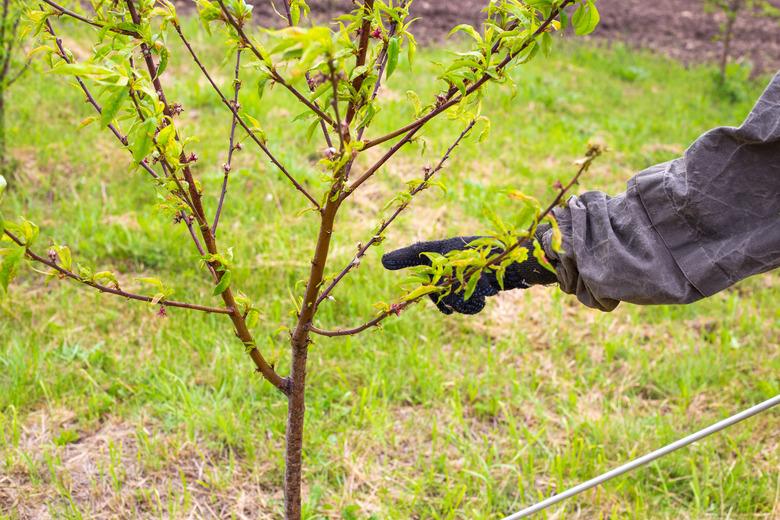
{"x": 395, "y": 260}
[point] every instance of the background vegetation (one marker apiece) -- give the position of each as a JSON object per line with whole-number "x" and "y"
{"x": 107, "y": 409}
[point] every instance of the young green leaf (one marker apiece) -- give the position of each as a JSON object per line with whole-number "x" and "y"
{"x": 585, "y": 18}
{"x": 224, "y": 283}
{"x": 114, "y": 105}
{"x": 9, "y": 265}
{"x": 393, "y": 48}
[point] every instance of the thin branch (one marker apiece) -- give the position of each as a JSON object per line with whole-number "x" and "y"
{"x": 335, "y": 87}
{"x": 113, "y": 290}
{"x": 378, "y": 235}
{"x": 365, "y": 39}
{"x": 383, "y": 57}
{"x": 86, "y": 20}
{"x": 323, "y": 126}
{"x": 92, "y": 101}
{"x": 238, "y": 319}
{"x": 231, "y": 144}
{"x": 450, "y": 99}
{"x": 274, "y": 74}
{"x": 396, "y": 309}
{"x": 239, "y": 323}
{"x": 187, "y": 222}
{"x": 241, "y": 121}
{"x": 9, "y": 44}
{"x": 18, "y": 74}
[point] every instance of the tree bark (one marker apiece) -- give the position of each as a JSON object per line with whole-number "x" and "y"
{"x": 300, "y": 345}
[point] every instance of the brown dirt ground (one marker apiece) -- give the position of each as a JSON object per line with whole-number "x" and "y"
{"x": 677, "y": 28}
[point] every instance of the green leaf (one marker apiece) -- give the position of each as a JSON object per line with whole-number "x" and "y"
{"x": 30, "y": 232}
{"x": 252, "y": 318}
{"x": 224, "y": 283}
{"x": 163, "y": 64}
{"x": 357, "y": 72}
{"x": 585, "y": 18}
{"x": 113, "y": 106}
{"x": 420, "y": 292}
{"x": 11, "y": 258}
{"x": 468, "y": 29}
{"x": 393, "y": 48}
{"x": 106, "y": 277}
{"x": 261, "y": 84}
{"x": 471, "y": 285}
{"x": 141, "y": 140}
{"x": 415, "y": 100}
{"x": 151, "y": 281}
{"x": 542, "y": 258}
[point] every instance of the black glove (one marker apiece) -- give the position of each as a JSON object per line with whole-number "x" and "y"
{"x": 517, "y": 276}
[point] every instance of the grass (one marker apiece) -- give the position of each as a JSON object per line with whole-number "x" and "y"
{"x": 108, "y": 410}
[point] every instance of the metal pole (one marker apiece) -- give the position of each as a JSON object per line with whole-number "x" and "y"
{"x": 641, "y": 461}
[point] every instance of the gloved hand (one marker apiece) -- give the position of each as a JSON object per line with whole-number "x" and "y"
{"x": 518, "y": 275}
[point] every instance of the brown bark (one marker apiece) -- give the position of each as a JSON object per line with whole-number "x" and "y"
{"x": 299, "y": 346}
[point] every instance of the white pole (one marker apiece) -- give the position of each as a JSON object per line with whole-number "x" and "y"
{"x": 641, "y": 461}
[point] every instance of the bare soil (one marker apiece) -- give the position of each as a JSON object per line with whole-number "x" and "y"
{"x": 677, "y": 28}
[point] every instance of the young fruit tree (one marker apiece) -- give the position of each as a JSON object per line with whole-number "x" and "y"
{"x": 335, "y": 73}
{"x": 732, "y": 10}
{"x": 11, "y": 67}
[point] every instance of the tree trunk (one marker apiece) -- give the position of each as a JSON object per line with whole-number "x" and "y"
{"x": 300, "y": 345}
{"x": 296, "y": 410}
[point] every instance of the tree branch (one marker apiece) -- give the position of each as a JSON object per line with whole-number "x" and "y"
{"x": 381, "y": 68}
{"x": 231, "y": 144}
{"x": 113, "y": 290}
{"x": 91, "y": 99}
{"x": 365, "y": 38}
{"x": 239, "y": 322}
{"x": 274, "y": 74}
{"x": 396, "y": 309}
{"x": 323, "y": 126}
{"x": 72, "y": 14}
{"x": 450, "y": 99}
{"x": 241, "y": 121}
{"x": 378, "y": 235}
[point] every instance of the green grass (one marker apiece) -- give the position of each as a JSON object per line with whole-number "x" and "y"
{"x": 107, "y": 409}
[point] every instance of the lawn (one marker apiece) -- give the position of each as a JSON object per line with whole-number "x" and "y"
{"x": 109, "y": 411}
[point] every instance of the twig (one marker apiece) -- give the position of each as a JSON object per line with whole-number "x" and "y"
{"x": 112, "y": 290}
{"x": 241, "y": 121}
{"x": 447, "y": 102}
{"x": 383, "y": 57}
{"x": 323, "y": 126}
{"x": 365, "y": 39}
{"x": 396, "y": 309}
{"x": 91, "y": 99}
{"x": 274, "y": 74}
{"x": 448, "y": 99}
{"x": 93, "y": 23}
{"x": 343, "y": 129}
{"x": 239, "y": 322}
{"x": 231, "y": 144}
{"x": 378, "y": 235}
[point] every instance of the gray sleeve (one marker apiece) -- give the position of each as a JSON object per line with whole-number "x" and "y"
{"x": 682, "y": 230}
